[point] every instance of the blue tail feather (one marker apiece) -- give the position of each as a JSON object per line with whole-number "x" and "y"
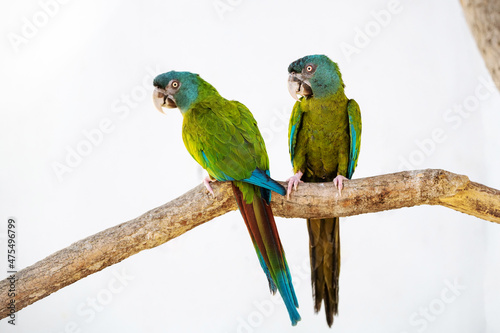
{"x": 272, "y": 285}
{"x": 288, "y": 294}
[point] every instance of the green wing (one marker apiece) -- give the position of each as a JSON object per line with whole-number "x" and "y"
{"x": 355, "y": 134}
{"x": 222, "y": 136}
{"x": 293, "y": 131}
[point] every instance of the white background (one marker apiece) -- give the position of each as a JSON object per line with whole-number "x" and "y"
{"x": 90, "y": 62}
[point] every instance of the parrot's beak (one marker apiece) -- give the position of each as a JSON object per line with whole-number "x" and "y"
{"x": 162, "y": 99}
{"x": 297, "y": 87}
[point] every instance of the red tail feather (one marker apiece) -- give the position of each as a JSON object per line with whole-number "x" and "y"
{"x": 260, "y": 223}
{"x": 248, "y": 213}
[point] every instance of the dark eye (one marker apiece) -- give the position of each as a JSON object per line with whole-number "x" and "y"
{"x": 175, "y": 84}
{"x": 309, "y": 68}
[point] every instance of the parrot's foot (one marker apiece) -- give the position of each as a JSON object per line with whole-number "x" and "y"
{"x": 293, "y": 182}
{"x": 338, "y": 182}
{"x": 206, "y": 181}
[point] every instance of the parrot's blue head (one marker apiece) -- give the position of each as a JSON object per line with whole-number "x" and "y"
{"x": 314, "y": 75}
{"x": 177, "y": 90}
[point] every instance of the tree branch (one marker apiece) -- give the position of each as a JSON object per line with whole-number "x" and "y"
{"x": 483, "y": 17}
{"x": 360, "y": 196}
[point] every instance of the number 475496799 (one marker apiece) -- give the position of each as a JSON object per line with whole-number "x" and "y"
{"x": 11, "y": 244}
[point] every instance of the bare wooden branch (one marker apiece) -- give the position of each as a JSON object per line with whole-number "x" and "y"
{"x": 366, "y": 195}
{"x": 483, "y": 17}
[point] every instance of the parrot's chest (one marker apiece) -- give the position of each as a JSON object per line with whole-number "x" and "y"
{"x": 325, "y": 134}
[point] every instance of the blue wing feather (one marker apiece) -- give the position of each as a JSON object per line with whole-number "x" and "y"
{"x": 293, "y": 129}
{"x": 355, "y": 134}
{"x": 291, "y": 142}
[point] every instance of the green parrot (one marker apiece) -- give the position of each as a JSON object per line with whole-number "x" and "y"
{"x": 324, "y": 137}
{"x": 223, "y": 137}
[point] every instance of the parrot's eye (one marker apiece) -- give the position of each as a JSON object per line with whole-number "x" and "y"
{"x": 175, "y": 84}
{"x": 309, "y": 68}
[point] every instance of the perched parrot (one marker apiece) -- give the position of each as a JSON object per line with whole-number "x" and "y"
{"x": 324, "y": 137}
{"x": 223, "y": 137}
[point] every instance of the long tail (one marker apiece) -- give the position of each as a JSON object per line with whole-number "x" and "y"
{"x": 259, "y": 220}
{"x": 324, "y": 250}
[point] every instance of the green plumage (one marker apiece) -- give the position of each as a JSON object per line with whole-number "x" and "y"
{"x": 324, "y": 141}
{"x": 226, "y": 132}
{"x": 223, "y": 137}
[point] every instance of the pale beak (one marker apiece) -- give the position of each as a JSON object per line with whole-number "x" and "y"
{"x": 162, "y": 99}
{"x": 298, "y": 87}
{"x": 158, "y": 99}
